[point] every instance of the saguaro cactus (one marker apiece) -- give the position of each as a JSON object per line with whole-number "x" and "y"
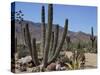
{"x": 43, "y": 29}
{"x": 49, "y": 40}
{"x": 92, "y": 38}
{"x": 55, "y": 39}
{"x": 61, "y": 42}
{"x": 68, "y": 42}
{"x": 32, "y": 50}
{"x": 51, "y": 51}
{"x": 51, "y": 45}
{"x": 48, "y": 34}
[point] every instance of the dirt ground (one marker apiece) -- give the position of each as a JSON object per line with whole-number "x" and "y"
{"x": 91, "y": 59}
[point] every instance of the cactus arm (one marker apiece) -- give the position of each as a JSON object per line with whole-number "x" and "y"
{"x": 51, "y": 45}
{"x": 28, "y": 38}
{"x": 56, "y": 33}
{"x": 68, "y": 42}
{"x": 61, "y": 43}
{"x": 56, "y": 38}
{"x": 48, "y": 34}
{"x": 43, "y": 29}
{"x": 32, "y": 50}
{"x": 34, "y": 53}
{"x": 25, "y": 38}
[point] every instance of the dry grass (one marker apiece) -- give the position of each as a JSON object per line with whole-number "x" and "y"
{"x": 91, "y": 59}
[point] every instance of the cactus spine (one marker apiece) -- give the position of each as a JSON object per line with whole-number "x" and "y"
{"x": 92, "y": 38}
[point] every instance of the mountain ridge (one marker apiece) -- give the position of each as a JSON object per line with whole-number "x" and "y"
{"x": 35, "y": 31}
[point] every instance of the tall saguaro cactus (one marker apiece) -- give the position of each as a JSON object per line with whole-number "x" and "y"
{"x": 52, "y": 49}
{"x": 32, "y": 48}
{"x": 48, "y": 34}
{"x": 49, "y": 43}
{"x": 61, "y": 42}
{"x": 43, "y": 29}
{"x": 92, "y": 38}
{"x": 35, "y": 53}
{"x": 68, "y": 42}
{"x": 56, "y": 33}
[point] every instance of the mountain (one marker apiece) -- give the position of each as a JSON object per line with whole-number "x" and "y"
{"x": 35, "y": 31}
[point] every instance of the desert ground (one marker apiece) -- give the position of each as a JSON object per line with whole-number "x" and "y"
{"x": 91, "y": 59}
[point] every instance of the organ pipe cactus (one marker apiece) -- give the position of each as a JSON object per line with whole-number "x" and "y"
{"x": 92, "y": 37}
{"x": 43, "y": 29}
{"x": 68, "y": 42}
{"x": 49, "y": 44}
{"x": 48, "y": 34}
{"x": 61, "y": 43}
{"x": 34, "y": 53}
{"x": 55, "y": 39}
{"x": 32, "y": 48}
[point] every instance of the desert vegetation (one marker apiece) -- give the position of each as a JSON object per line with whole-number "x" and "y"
{"x": 51, "y": 53}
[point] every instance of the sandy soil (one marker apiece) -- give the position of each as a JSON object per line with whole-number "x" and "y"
{"x": 91, "y": 59}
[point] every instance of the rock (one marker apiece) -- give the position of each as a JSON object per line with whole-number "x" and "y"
{"x": 58, "y": 67}
{"x": 29, "y": 69}
{"x": 25, "y": 59}
{"x": 16, "y": 56}
{"x": 63, "y": 68}
{"x": 23, "y": 67}
{"x": 51, "y": 67}
{"x": 17, "y": 71}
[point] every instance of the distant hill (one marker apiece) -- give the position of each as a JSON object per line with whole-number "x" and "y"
{"x": 35, "y": 30}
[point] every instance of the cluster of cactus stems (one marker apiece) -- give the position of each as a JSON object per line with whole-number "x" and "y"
{"x": 92, "y": 37}
{"x": 49, "y": 43}
{"x": 31, "y": 44}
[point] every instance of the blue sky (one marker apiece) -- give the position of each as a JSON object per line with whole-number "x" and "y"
{"x": 81, "y": 18}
